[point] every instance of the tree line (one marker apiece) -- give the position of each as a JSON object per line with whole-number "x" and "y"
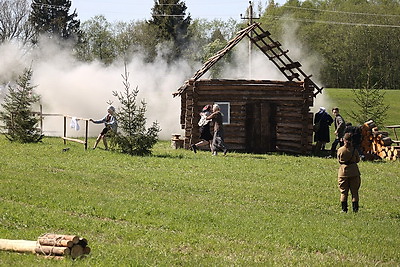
{"x": 356, "y": 40}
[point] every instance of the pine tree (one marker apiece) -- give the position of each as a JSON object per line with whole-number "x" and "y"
{"x": 20, "y": 122}
{"x": 370, "y": 101}
{"x": 52, "y": 17}
{"x": 133, "y": 138}
{"x": 370, "y": 106}
{"x": 170, "y": 25}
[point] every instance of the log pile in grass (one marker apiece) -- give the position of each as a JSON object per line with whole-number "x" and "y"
{"x": 376, "y": 144}
{"x": 52, "y": 245}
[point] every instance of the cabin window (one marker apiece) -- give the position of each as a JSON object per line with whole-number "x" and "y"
{"x": 226, "y": 111}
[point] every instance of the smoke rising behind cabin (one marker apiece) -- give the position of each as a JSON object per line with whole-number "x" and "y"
{"x": 82, "y": 89}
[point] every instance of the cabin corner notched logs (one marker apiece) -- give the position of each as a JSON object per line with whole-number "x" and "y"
{"x": 53, "y": 245}
{"x": 376, "y": 144}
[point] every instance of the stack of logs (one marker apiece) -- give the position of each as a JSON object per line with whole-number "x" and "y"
{"x": 52, "y": 245}
{"x": 376, "y": 144}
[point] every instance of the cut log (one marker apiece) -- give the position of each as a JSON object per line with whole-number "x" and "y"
{"x": 50, "y": 250}
{"x": 55, "y": 242}
{"x": 83, "y": 242}
{"x": 18, "y": 245}
{"x": 370, "y": 124}
{"x": 76, "y": 251}
{"x": 73, "y": 238}
{"x": 86, "y": 250}
{"x": 32, "y": 247}
{"x": 387, "y": 141}
{"x": 389, "y": 154}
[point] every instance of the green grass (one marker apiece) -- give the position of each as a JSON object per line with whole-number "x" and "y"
{"x": 180, "y": 208}
{"x": 344, "y": 99}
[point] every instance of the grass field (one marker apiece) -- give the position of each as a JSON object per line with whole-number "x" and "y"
{"x": 344, "y": 99}
{"x": 179, "y": 208}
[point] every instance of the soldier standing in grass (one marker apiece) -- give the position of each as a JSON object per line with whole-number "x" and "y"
{"x": 348, "y": 174}
{"x": 218, "y": 138}
{"x": 110, "y": 123}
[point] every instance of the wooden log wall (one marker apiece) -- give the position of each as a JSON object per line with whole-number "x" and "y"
{"x": 292, "y": 121}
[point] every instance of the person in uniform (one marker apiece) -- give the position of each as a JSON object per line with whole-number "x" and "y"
{"x": 205, "y": 134}
{"x": 340, "y": 126}
{"x": 218, "y": 137}
{"x": 348, "y": 174}
{"x": 110, "y": 123}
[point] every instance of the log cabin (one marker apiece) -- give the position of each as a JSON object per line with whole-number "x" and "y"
{"x": 260, "y": 116}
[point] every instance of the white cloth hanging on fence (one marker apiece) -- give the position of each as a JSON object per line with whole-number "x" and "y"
{"x": 74, "y": 123}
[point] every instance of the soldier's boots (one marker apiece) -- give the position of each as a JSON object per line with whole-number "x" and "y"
{"x": 355, "y": 206}
{"x": 344, "y": 207}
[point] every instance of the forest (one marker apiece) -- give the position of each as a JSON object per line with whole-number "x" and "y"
{"x": 356, "y": 42}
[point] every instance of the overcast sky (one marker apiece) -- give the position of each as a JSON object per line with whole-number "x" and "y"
{"x": 128, "y": 10}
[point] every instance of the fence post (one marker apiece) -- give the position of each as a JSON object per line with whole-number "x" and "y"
{"x": 65, "y": 129}
{"x": 86, "y": 133}
{"x": 41, "y": 118}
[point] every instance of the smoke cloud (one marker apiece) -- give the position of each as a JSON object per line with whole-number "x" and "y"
{"x": 311, "y": 62}
{"x": 80, "y": 89}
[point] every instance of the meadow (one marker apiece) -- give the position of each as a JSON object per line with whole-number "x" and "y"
{"x": 344, "y": 99}
{"x": 177, "y": 208}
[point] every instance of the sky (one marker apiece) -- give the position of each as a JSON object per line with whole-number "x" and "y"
{"x": 128, "y": 10}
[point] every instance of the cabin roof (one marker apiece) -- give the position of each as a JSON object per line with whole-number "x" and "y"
{"x": 271, "y": 49}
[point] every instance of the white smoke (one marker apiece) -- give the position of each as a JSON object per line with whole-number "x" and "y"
{"x": 311, "y": 62}
{"x": 82, "y": 90}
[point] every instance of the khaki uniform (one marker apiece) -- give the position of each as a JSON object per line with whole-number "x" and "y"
{"x": 348, "y": 173}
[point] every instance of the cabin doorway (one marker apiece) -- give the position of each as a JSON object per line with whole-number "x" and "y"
{"x": 260, "y": 127}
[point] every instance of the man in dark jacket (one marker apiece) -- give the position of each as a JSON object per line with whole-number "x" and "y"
{"x": 321, "y": 136}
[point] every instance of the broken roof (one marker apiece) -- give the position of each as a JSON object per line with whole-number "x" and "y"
{"x": 272, "y": 49}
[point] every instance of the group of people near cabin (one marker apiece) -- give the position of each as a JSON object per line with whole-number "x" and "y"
{"x": 207, "y": 115}
{"x": 216, "y": 141}
{"x": 346, "y": 135}
{"x": 348, "y": 154}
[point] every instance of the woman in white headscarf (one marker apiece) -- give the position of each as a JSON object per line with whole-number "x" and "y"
{"x": 205, "y": 134}
{"x": 321, "y": 136}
